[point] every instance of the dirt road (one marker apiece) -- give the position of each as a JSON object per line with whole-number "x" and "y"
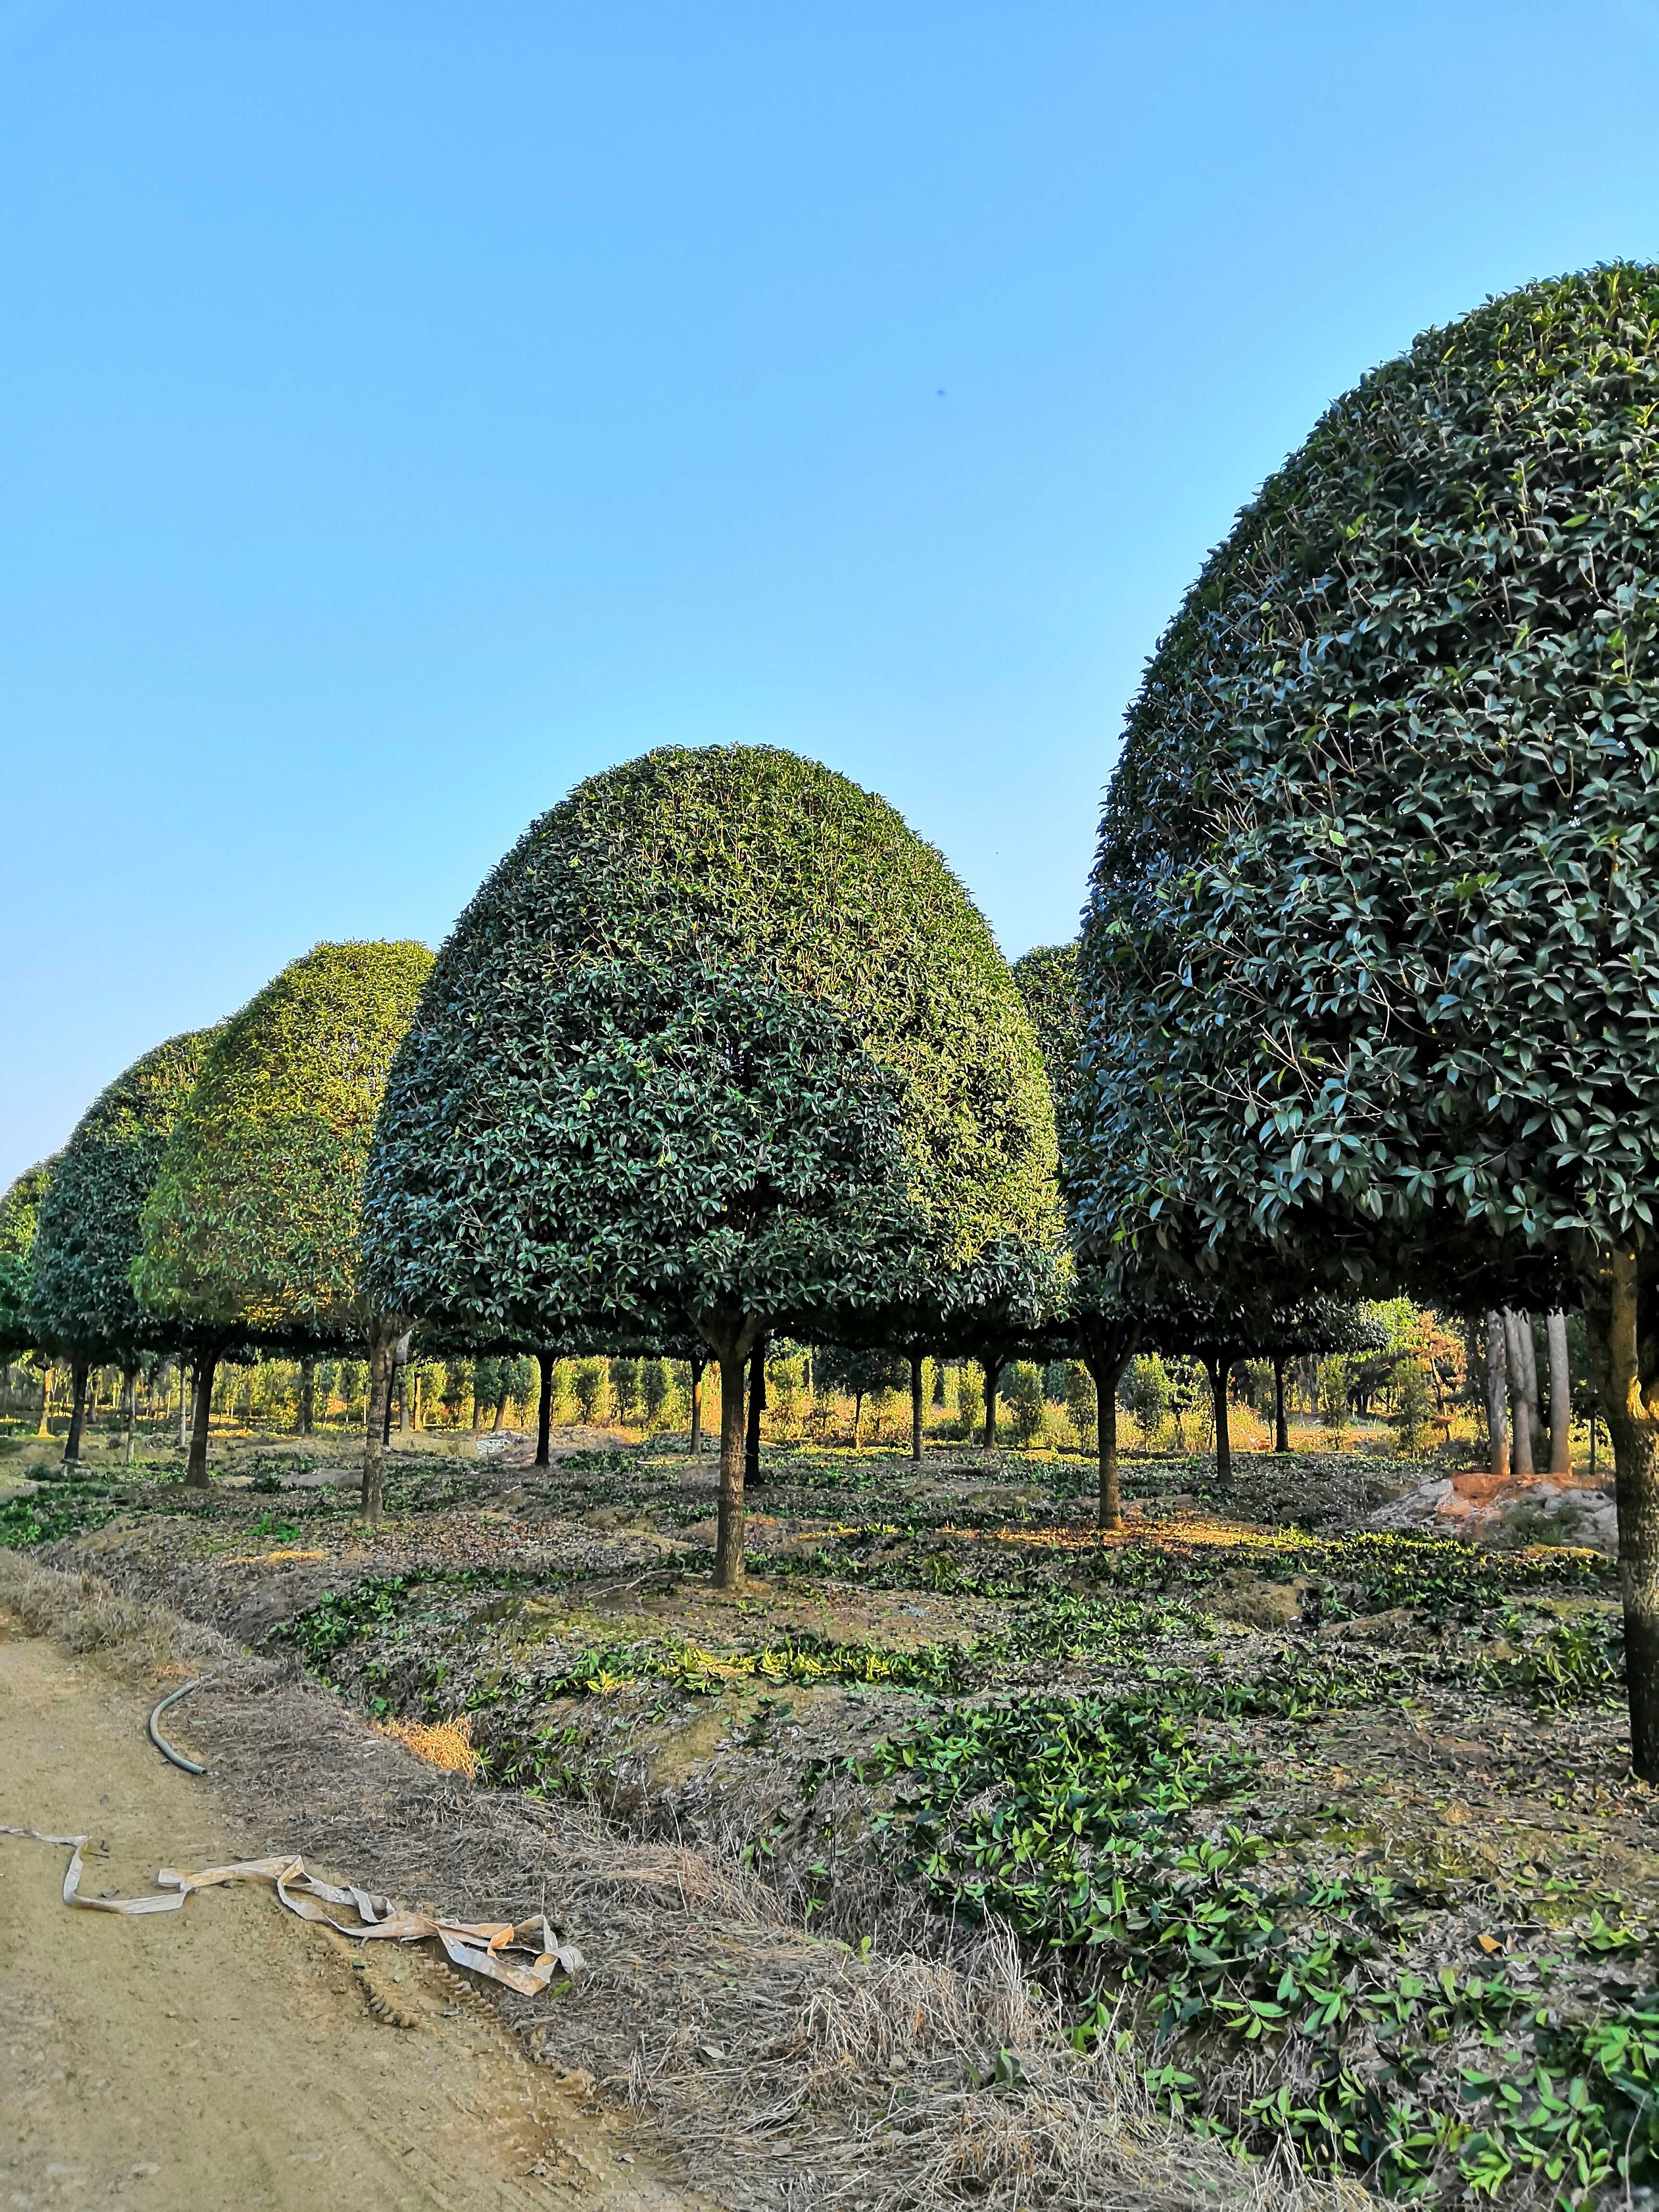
{"x": 227, "y": 2054}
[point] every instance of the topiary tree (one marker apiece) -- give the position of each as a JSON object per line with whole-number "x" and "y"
{"x": 720, "y": 1045}
{"x": 91, "y": 1232}
{"x": 19, "y": 1216}
{"x": 1371, "y": 949}
{"x": 251, "y": 1229}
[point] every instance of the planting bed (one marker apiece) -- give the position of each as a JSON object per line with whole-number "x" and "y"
{"x": 1331, "y": 1829}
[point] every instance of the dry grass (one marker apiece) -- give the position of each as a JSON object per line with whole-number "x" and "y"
{"x": 445, "y": 1744}
{"x": 775, "y": 2070}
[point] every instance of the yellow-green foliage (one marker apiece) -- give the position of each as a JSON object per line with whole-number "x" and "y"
{"x": 253, "y": 1224}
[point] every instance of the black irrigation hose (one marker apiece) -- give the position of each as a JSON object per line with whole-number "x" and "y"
{"x": 160, "y": 1741}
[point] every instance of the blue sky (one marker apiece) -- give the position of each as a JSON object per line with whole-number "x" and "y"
{"x": 405, "y": 411}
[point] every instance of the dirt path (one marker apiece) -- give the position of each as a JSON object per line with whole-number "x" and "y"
{"x": 226, "y": 2055}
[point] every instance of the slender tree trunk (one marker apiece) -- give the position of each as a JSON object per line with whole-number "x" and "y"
{"x": 129, "y": 1406}
{"x": 545, "y": 1410}
{"x": 1527, "y": 1345}
{"x": 1218, "y": 1370}
{"x": 501, "y": 1408}
{"x": 45, "y": 1429}
{"x": 993, "y": 1370}
{"x": 1515, "y": 1326}
{"x": 1555, "y": 1344}
{"x": 385, "y": 1425}
{"x": 752, "y": 1445}
{"x": 404, "y": 1423}
{"x": 382, "y": 1359}
{"x": 1630, "y": 1406}
{"x": 1497, "y": 1396}
{"x": 1281, "y": 1422}
{"x": 915, "y": 1407}
{"x": 307, "y": 1396}
{"x": 696, "y": 1366}
{"x": 78, "y": 1377}
{"x": 857, "y": 1416}
{"x": 728, "y": 1540}
{"x": 195, "y": 1467}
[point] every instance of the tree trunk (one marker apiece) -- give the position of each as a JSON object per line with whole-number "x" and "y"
{"x": 728, "y": 1540}
{"x": 857, "y": 1416}
{"x": 45, "y": 1429}
{"x": 993, "y": 1370}
{"x": 1281, "y": 1422}
{"x": 307, "y": 1396}
{"x": 1218, "y": 1371}
{"x": 78, "y": 1412}
{"x": 696, "y": 1366}
{"x": 1514, "y": 1325}
{"x": 1497, "y": 1396}
{"x": 129, "y": 1406}
{"x": 1555, "y": 1343}
{"x": 1632, "y": 1412}
{"x": 382, "y": 1359}
{"x": 404, "y": 1422}
{"x": 1527, "y": 1345}
{"x": 1106, "y": 1349}
{"x": 385, "y": 1425}
{"x": 545, "y": 1410}
{"x": 915, "y": 1407}
{"x": 752, "y": 1458}
{"x": 195, "y": 1467}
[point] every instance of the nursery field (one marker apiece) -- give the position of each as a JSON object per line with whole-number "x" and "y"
{"x": 1330, "y": 1831}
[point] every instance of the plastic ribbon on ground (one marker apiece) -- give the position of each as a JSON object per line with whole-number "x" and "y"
{"x": 523, "y": 1956}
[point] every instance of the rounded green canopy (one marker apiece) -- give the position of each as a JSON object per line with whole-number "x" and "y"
{"x": 252, "y": 1226}
{"x": 91, "y": 1229}
{"x": 720, "y": 1030}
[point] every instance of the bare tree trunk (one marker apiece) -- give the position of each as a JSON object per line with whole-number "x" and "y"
{"x": 751, "y": 1443}
{"x": 1555, "y": 1344}
{"x": 382, "y": 1358}
{"x": 1498, "y": 1394}
{"x": 45, "y": 1429}
{"x": 307, "y": 1396}
{"x": 78, "y": 1412}
{"x": 545, "y": 1410}
{"x": 130, "y": 1406}
{"x": 993, "y": 1371}
{"x": 195, "y": 1467}
{"x": 915, "y": 1407}
{"x": 1528, "y": 1346}
{"x": 1629, "y": 1404}
{"x": 857, "y": 1416}
{"x": 1520, "y": 1412}
{"x": 696, "y": 1366}
{"x": 728, "y": 1541}
{"x": 1106, "y": 1353}
{"x": 1218, "y": 1371}
{"x": 1281, "y": 1422}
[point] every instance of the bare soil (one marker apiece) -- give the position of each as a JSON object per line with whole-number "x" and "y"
{"x": 227, "y": 2054}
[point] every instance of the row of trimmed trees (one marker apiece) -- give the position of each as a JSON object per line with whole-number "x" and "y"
{"x": 721, "y": 1054}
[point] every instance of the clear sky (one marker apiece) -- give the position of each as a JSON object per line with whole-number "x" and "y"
{"x": 407, "y": 411}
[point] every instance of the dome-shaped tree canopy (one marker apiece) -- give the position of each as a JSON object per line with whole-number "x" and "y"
{"x": 20, "y": 1215}
{"x": 608, "y": 957}
{"x": 90, "y": 1231}
{"x": 251, "y": 1227}
{"x": 1371, "y": 960}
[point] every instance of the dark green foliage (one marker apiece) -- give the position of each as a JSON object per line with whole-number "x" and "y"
{"x": 91, "y": 1232}
{"x": 1358, "y": 2016}
{"x": 1369, "y": 962}
{"x": 719, "y": 1033}
{"x": 253, "y": 1224}
{"x": 20, "y": 1213}
{"x": 1047, "y": 976}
